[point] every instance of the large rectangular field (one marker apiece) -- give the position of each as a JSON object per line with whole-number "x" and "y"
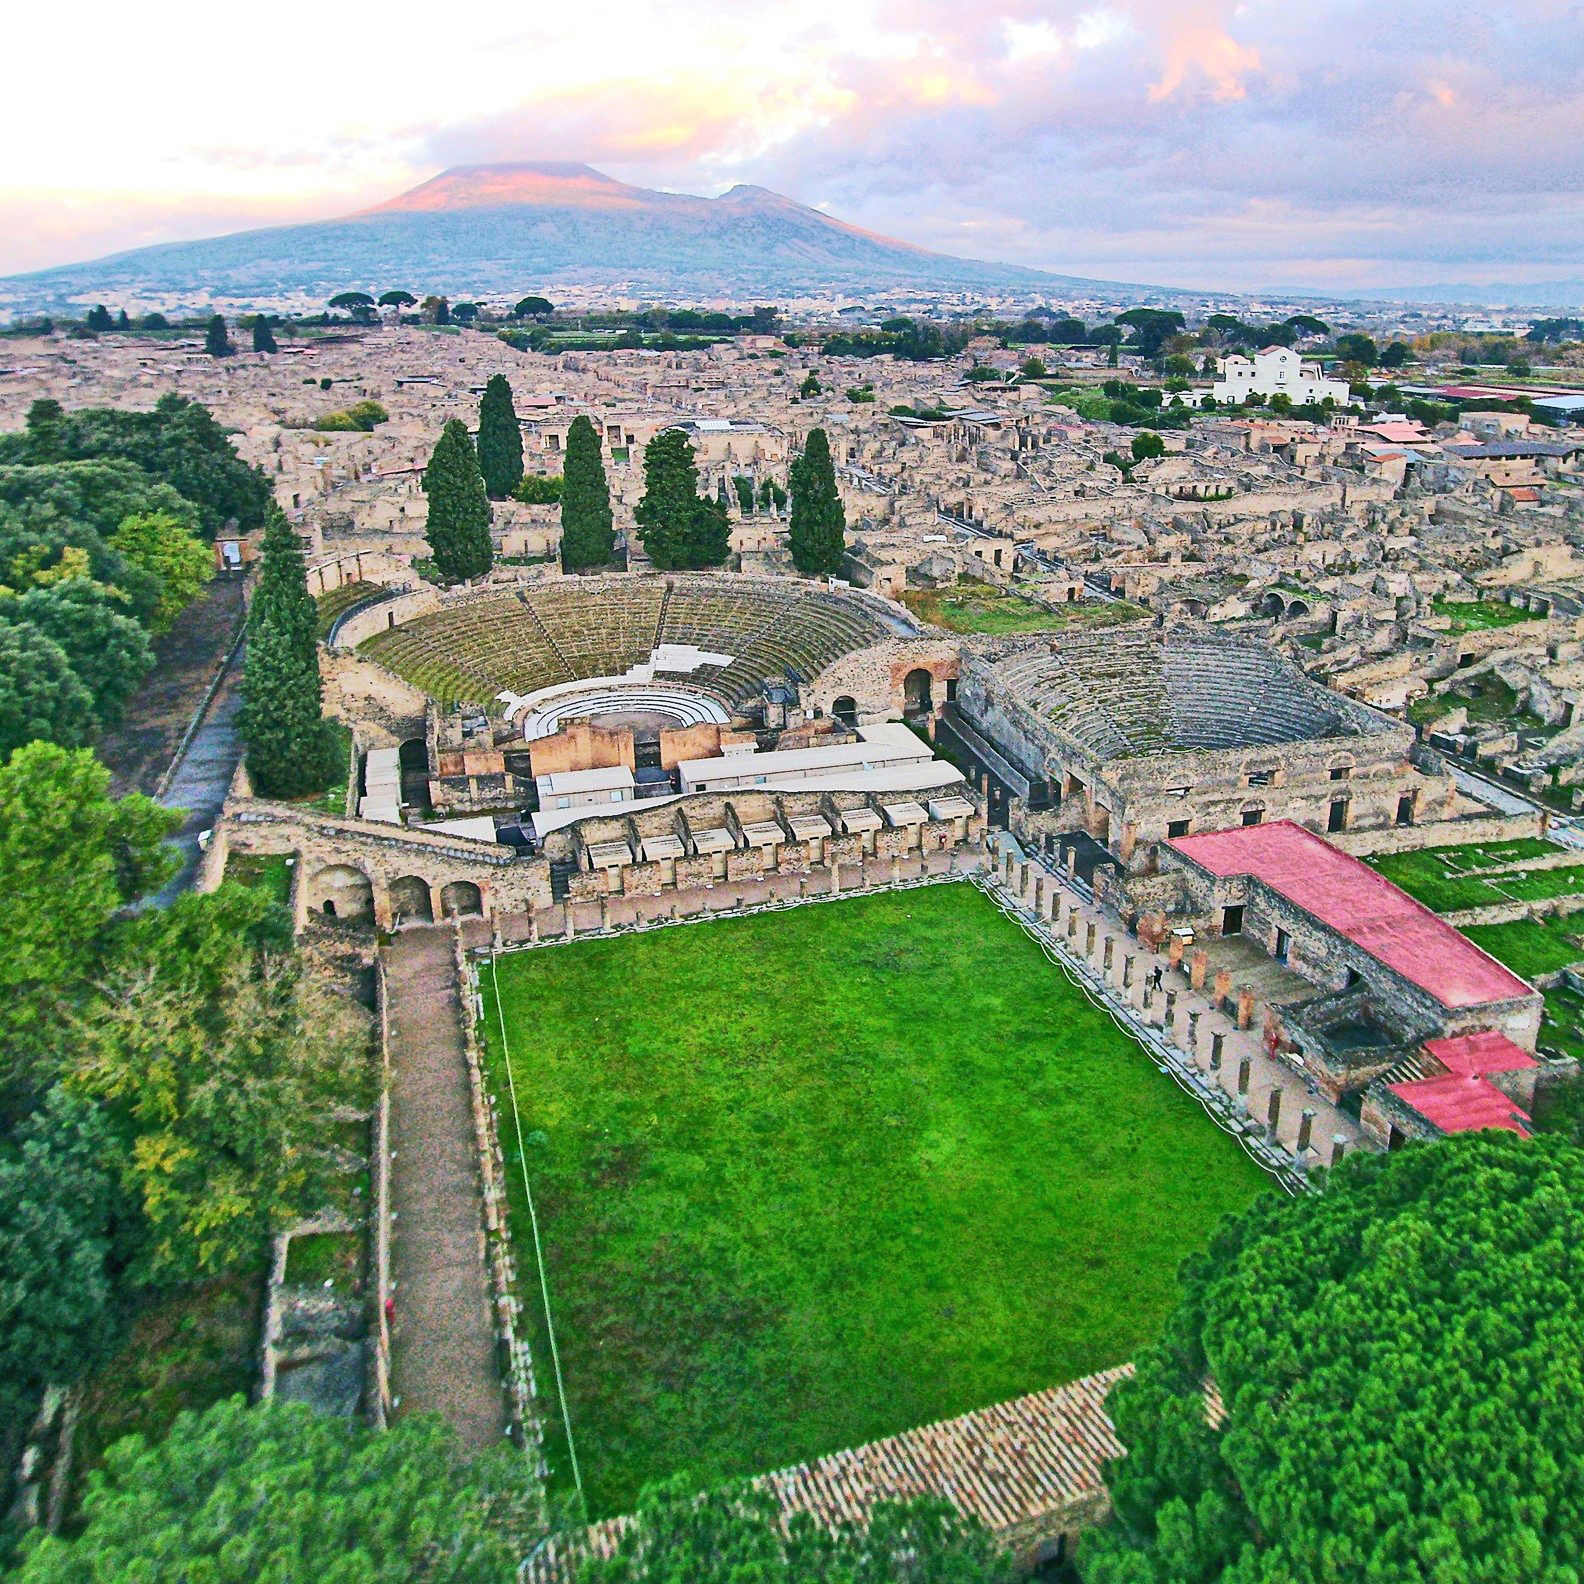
{"x": 814, "y": 1177}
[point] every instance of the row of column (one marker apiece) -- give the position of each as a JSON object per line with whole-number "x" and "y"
{"x": 1109, "y": 955}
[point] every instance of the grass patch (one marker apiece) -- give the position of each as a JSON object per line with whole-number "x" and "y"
{"x": 1530, "y": 947}
{"x": 1448, "y": 879}
{"x": 267, "y": 872}
{"x": 809, "y": 1179}
{"x": 974, "y": 607}
{"x": 332, "y": 1260}
{"x": 184, "y": 1350}
{"x": 1486, "y": 699}
{"x": 1479, "y": 615}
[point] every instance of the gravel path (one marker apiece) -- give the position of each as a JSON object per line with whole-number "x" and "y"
{"x": 443, "y": 1345}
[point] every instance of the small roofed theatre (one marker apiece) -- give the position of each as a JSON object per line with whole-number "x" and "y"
{"x": 1409, "y": 1019}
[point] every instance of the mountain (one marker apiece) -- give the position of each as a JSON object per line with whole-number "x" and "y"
{"x": 491, "y": 229}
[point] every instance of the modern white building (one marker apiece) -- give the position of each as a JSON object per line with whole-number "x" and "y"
{"x": 1276, "y": 371}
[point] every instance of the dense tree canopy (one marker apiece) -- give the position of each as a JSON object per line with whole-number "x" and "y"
{"x": 217, "y": 340}
{"x": 459, "y": 508}
{"x": 178, "y": 443}
{"x": 222, "y": 1061}
{"x": 679, "y": 529}
{"x": 1151, "y": 327}
{"x": 500, "y": 447}
{"x": 105, "y": 647}
{"x": 587, "y": 536}
{"x": 264, "y": 334}
{"x": 56, "y": 1282}
{"x": 281, "y": 1494}
{"x": 72, "y": 856}
{"x": 158, "y": 545}
{"x": 1402, "y": 1366}
{"x": 817, "y": 537}
{"x": 41, "y": 697}
{"x": 736, "y": 1536}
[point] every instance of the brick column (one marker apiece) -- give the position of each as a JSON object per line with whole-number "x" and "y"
{"x": 1245, "y": 1007}
{"x": 1198, "y": 967}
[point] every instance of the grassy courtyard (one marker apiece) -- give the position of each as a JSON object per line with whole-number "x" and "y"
{"x": 815, "y": 1177}
{"x": 973, "y": 607}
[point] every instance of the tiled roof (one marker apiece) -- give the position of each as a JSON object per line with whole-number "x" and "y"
{"x": 1007, "y": 1465}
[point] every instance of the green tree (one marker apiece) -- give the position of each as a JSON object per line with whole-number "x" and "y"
{"x": 810, "y": 385}
{"x": 465, "y": 312}
{"x": 178, "y": 444}
{"x": 1396, "y": 355}
{"x": 73, "y": 856}
{"x": 291, "y": 751}
{"x": 587, "y": 535}
{"x": 1146, "y": 445}
{"x": 41, "y": 697}
{"x": 1357, "y": 348}
{"x": 398, "y": 299}
{"x": 1401, "y": 1364}
{"x": 217, "y": 343}
{"x": 817, "y": 536}
{"x": 744, "y": 489}
{"x": 680, "y": 531}
{"x": 284, "y": 1494}
{"x": 500, "y": 447}
{"x": 104, "y": 646}
{"x": 459, "y": 508}
{"x": 1033, "y": 368}
{"x": 159, "y": 545}
{"x": 263, "y": 334}
{"x": 222, "y": 1061}
{"x": 1151, "y": 328}
{"x": 735, "y": 1535}
{"x": 532, "y": 308}
{"x": 99, "y": 319}
{"x": 352, "y": 299}
{"x": 56, "y": 1284}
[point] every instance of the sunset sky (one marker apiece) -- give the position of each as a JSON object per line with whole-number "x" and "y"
{"x": 1288, "y": 143}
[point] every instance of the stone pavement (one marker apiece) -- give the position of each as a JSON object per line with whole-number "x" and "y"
{"x": 443, "y": 1349}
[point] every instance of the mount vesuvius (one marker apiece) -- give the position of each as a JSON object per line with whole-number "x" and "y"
{"x": 480, "y": 229}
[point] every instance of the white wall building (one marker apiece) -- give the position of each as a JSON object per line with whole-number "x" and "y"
{"x": 1276, "y": 371}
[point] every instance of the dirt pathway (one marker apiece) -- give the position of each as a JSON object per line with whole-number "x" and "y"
{"x": 443, "y": 1347}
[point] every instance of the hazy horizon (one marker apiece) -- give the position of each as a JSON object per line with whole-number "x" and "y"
{"x": 1197, "y": 144}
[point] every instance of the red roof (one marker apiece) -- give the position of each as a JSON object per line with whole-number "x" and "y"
{"x": 1460, "y": 1103}
{"x": 1366, "y": 908}
{"x": 1477, "y": 1054}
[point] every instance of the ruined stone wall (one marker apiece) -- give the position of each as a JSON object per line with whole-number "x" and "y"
{"x": 876, "y": 678}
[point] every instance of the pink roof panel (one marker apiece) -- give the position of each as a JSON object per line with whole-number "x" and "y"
{"x": 1364, "y": 907}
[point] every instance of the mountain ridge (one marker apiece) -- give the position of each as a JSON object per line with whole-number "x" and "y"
{"x": 475, "y": 230}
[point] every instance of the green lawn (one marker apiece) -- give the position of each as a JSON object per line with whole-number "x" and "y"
{"x": 1450, "y": 878}
{"x": 1478, "y": 615}
{"x": 815, "y": 1177}
{"x": 1531, "y": 946}
{"x": 973, "y": 607}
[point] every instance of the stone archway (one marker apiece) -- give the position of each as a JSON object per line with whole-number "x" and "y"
{"x": 1273, "y": 606}
{"x": 845, "y": 709}
{"x": 461, "y": 899}
{"x": 411, "y": 901}
{"x": 1296, "y": 609}
{"x": 918, "y": 696}
{"x": 341, "y": 891}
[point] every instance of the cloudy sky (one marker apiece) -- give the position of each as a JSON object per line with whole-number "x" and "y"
{"x": 1325, "y": 143}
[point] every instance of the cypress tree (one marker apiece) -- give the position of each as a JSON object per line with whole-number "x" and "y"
{"x": 291, "y": 751}
{"x": 818, "y": 534}
{"x": 263, "y": 336}
{"x": 216, "y": 342}
{"x": 679, "y": 529}
{"x": 500, "y": 450}
{"x": 459, "y": 509}
{"x": 587, "y": 539}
